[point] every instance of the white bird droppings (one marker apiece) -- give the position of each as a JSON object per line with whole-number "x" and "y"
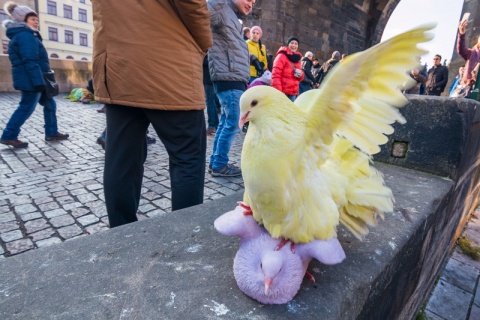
{"x": 392, "y": 245}
{"x": 218, "y": 309}
{"x": 125, "y": 313}
{"x": 194, "y": 248}
{"x": 172, "y": 300}
{"x": 295, "y": 307}
{"x": 378, "y": 252}
{"x": 197, "y": 229}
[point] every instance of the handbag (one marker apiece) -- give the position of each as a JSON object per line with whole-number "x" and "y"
{"x": 51, "y": 86}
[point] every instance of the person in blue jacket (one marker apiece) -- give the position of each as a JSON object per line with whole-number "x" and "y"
{"x": 29, "y": 61}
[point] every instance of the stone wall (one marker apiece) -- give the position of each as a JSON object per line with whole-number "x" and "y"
{"x": 69, "y": 74}
{"x": 323, "y": 26}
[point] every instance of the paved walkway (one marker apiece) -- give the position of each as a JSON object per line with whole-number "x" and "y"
{"x": 52, "y": 192}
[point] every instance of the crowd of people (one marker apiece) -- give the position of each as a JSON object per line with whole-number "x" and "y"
{"x": 147, "y": 84}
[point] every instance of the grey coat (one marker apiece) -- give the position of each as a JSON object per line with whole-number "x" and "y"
{"x": 228, "y": 59}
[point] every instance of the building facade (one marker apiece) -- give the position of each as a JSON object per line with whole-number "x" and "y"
{"x": 4, "y": 16}
{"x": 66, "y": 27}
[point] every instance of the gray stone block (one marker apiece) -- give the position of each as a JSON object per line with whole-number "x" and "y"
{"x": 11, "y": 235}
{"x": 8, "y": 226}
{"x": 31, "y": 216}
{"x": 36, "y": 225}
{"x": 449, "y": 301}
{"x": 87, "y": 220}
{"x": 18, "y": 246}
{"x": 62, "y": 221}
{"x": 474, "y": 313}
{"x": 24, "y": 209}
{"x": 69, "y": 232}
{"x": 54, "y": 213}
{"x": 48, "y": 242}
{"x": 461, "y": 275}
{"x": 78, "y": 212}
{"x": 42, "y": 234}
{"x": 96, "y": 228}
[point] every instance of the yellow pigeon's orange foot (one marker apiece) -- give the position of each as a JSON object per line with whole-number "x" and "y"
{"x": 309, "y": 276}
{"x": 248, "y": 211}
{"x": 284, "y": 242}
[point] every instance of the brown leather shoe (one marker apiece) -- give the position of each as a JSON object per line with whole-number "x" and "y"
{"x": 102, "y": 110}
{"x": 14, "y": 143}
{"x": 211, "y": 131}
{"x": 57, "y": 136}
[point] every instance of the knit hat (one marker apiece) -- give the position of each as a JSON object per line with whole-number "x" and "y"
{"x": 336, "y": 55}
{"x": 258, "y": 29}
{"x": 291, "y": 39}
{"x": 308, "y": 54}
{"x": 18, "y": 13}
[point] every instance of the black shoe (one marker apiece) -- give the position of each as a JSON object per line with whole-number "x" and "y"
{"x": 150, "y": 140}
{"x": 210, "y": 168}
{"x": 57, "y": 136}
{"x": 101, "y": 110}
{"x": 228, "y": 170}
{"x": 101, "y": 141}
{"x": 14, "y": 143}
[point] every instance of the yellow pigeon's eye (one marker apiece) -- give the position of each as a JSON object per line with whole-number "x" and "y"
{"x": 254, "y": 103}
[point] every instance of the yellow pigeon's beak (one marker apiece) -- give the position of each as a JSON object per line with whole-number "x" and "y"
{"x": 243, "y": 118}
{"x": 268, "y": 283}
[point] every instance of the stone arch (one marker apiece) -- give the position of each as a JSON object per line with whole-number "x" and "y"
{"x": 54, "y": 55}
{"x": 69, "y": 57}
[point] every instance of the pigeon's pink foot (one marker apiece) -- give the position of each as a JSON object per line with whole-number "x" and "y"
{"x": 310, "y": 276}
{"x": 284, "y": 242}
{"x": 248, "y": 211}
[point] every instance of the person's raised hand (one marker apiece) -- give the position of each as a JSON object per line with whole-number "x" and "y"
{"x": 462, "y": 26}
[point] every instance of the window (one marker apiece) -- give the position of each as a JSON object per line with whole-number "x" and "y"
{"x": 3, "y": 16}
{"x": 54, "y": 55}
{"x": 52, "y": 7}
{"x": 70, "y": 57}
{"x": 52, "y": 34}
{"x": 82, "y": 1}
{"x": 5, "y": 46}
{"x": 84, "y": 39}
{"x": 67, "y": 11}
{"x": 84, "y": 59}
{"x": 68, "y": 36}
{"x": 82, "y": 15}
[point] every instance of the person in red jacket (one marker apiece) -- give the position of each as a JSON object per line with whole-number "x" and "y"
{"x": 287, "y": 70}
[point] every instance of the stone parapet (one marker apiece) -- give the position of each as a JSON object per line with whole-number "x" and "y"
{"x": 68, "y": 73}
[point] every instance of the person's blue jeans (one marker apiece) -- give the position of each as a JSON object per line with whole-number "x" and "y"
{"x": 304, "y": 87}
{"x": 212, "y": 111}
{"x": 28, "y": 102}
{"x": 227, "y": 128}
{"x": 292, "y": 98}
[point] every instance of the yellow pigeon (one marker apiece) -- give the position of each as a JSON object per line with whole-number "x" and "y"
{"x": 306, "y": 165}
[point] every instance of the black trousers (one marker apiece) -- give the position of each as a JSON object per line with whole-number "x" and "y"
{"x": 183, "y": 134}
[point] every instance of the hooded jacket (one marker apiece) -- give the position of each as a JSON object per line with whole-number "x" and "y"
{"x": 27, "y": 55}
{"x": 283, "y": 78}
{"x": 149, "y": 53}
{"x": 260, "y": 53}
{"x": 228, "y": 59}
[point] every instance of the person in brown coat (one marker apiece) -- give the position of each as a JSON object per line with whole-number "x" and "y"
{"x": 147, "y": 69}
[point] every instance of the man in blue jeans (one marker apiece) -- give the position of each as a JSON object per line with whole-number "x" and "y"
{"x": 229, "y": 64}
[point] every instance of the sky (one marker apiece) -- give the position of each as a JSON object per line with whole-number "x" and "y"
{"x": 410, "y": 13}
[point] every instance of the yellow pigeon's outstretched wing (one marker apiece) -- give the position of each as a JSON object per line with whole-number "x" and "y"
{"x": 360, "y": 96}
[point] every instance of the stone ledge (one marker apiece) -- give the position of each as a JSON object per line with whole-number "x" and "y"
{"x": 178, "y": 267}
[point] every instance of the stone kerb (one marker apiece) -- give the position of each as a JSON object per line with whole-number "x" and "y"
{"x": 68, "y": 73}
{"x": 178, "y": 267}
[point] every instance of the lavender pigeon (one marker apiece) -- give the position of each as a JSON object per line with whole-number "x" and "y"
{"x": 264, "y": 272}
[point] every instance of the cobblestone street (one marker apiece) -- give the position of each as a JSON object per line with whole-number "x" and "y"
{"x": 52, "y": 191}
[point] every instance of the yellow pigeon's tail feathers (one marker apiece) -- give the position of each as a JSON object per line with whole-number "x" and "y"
{"x": 367, "y": 195}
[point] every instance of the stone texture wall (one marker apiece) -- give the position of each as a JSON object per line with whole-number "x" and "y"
{"x": 68, "y": 73}
{"x": 323, "y": 26}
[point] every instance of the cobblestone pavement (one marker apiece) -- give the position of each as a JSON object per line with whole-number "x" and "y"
{"x": 52, "y": 191}
{"x": 456, "y": 295}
